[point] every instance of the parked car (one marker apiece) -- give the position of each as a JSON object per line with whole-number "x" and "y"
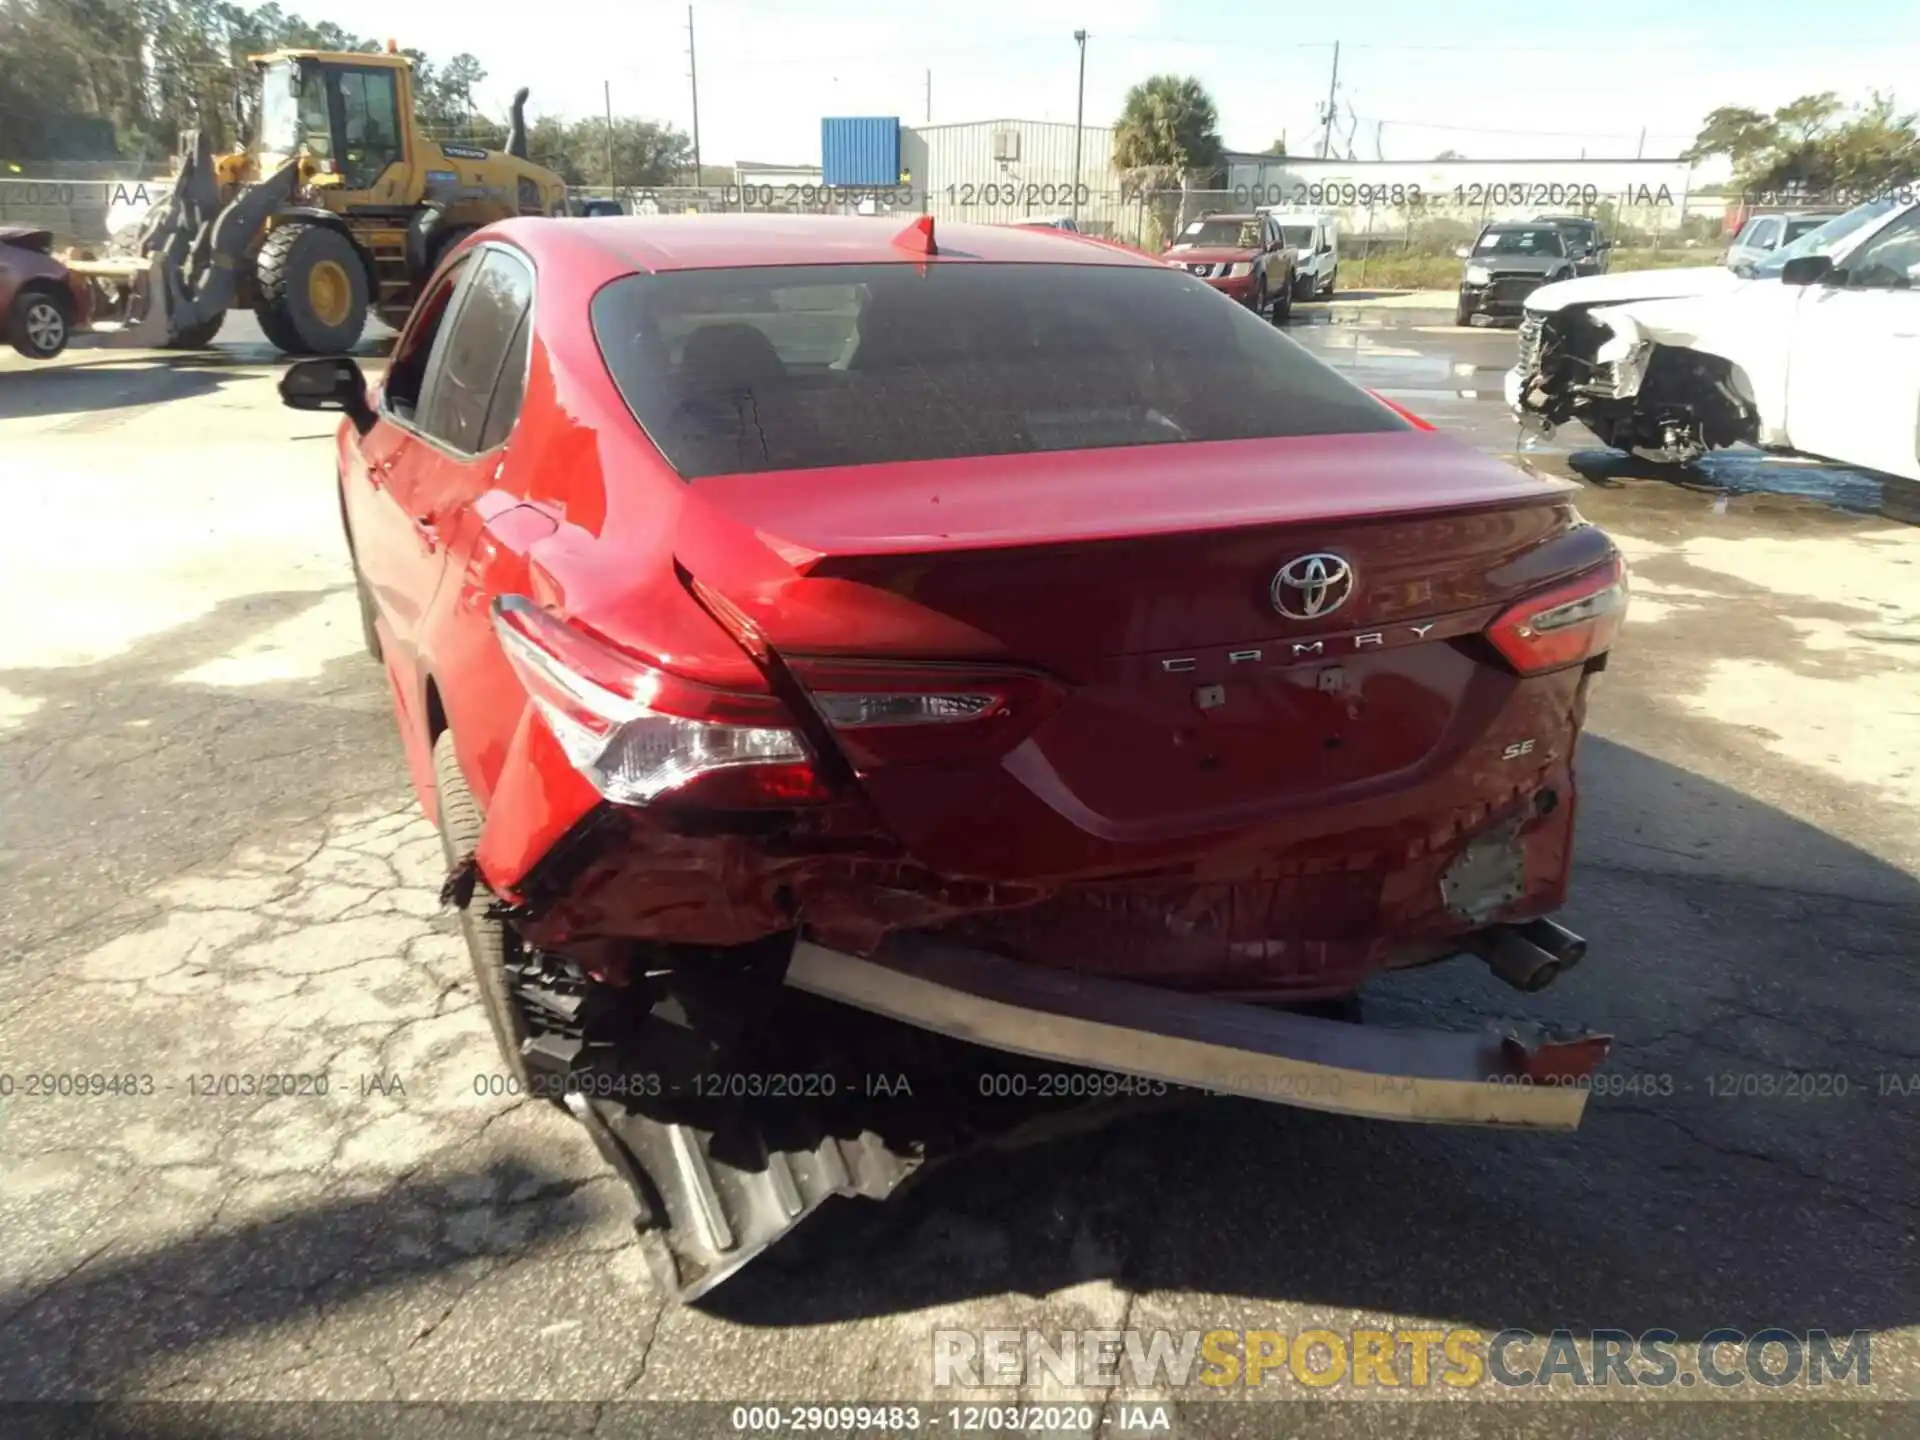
{"x": 1242, "y": 256}
{"x": 1315, "y": 242}
{"x": 789, "y": 625}
{"x": 1764, "y": 234}
{"x": 1585, "y": 244}
{"x": 1815, "y": 350}
{"x": 594, "y": 209}
{"x": 41, "y": 301}
{"x": 1507, "y": 262}
{"x": 1050, "y": 222}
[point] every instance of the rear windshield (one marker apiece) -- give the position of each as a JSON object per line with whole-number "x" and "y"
{"x": 804, "y": 366}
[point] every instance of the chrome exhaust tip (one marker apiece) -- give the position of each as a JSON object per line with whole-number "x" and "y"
{"x": 1529, "y": 956}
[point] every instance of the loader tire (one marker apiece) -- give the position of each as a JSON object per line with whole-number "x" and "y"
{"x": 200, "y": 336}
{"x": 491, "y": 944}
{"x": 312, "y": 288}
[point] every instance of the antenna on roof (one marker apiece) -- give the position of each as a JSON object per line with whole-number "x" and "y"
{"x": 918, "y": 237}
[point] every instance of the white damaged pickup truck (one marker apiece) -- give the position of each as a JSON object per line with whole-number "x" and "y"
{"x": 1813, "y": 351}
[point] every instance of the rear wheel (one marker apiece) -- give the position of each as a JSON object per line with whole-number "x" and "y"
{"x": 1283, "y": 303}
{"x": 491, "y": 943}
{"x": 313, "y": 290}
{"x": 39, "y": 323}
{"x": 198, "y": 337}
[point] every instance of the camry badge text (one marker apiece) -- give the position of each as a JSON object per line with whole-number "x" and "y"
{"x": 1310, "y": 586}
{"x": 1305, "y": 649}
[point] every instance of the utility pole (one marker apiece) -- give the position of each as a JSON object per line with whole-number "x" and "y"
{"x": 1326, "y": 136}
{"x": 929, "y": 119}
{"x": 1079, "y": 117}
{"x": 1640, "y": 151}
{"x": 693, "y": 79}
{"x": 612, "y": 188}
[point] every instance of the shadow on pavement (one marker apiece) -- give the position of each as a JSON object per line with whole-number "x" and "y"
{"x": 111, "y": 1320}
{"x": 78, "y": 389}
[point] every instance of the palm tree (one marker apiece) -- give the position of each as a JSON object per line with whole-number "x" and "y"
{"x": 1169, "y": 129}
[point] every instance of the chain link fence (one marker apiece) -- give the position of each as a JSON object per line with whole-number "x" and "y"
{"x": 1383, "y": 227}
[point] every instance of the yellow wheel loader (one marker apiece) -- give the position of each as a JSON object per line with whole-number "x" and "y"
{"x": 339, "y": 206}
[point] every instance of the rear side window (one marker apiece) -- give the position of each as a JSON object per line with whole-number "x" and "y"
{"x": 801, "y": 367}
{"x": 498, "y": 296}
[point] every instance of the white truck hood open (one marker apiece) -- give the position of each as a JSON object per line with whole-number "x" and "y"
{"x": 1624, "y": 285}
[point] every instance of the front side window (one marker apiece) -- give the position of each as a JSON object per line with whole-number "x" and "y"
{"x": 472, "y": 353}
{"x": 1828, "y": 238}
{"x": 425, "y": 340}
{"x": 370, "y": 125}
{"x": 1300, "y": 237}
{"x": 1889, "y": 261}
{"x": 807, "y": 367}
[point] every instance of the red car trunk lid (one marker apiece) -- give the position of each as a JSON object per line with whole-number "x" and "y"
{"x": 1144, "y": 579}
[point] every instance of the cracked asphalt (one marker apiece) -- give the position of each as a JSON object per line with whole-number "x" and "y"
{"x": 219, "y": 901}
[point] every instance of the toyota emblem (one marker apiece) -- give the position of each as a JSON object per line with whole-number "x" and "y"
{"x": 1311, "y": 586}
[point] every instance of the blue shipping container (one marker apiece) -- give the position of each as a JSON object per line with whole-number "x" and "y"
{"x": 858, "y": 150}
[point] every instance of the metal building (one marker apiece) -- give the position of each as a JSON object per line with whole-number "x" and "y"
{"x": 997, "y": 171}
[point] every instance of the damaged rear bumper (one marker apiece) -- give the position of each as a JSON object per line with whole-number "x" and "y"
{"x": 717, "y": 1186}
{"x": 1214, "y": 1045}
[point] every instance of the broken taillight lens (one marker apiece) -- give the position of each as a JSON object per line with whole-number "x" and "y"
{"x": 904, "y": 714}
{"x": 1566, "y": 625}
{"x": 639, "y": 733}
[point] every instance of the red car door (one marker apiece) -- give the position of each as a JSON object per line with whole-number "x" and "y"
{"x": 379, "y": 495}
{"x": 450, "y": 454}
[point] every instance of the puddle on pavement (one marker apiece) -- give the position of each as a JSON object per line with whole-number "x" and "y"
{"x": 1725, "y": 477}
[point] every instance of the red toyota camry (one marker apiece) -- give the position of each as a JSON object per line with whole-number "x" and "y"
{"x": 1000, "y": 632}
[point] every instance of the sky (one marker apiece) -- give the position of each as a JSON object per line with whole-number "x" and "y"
{"x": 1496, "y": 79}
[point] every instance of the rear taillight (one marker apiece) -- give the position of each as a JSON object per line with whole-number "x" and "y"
{"x": 903, "y": 714}
{"x": 639, "y": 733}
{"x": 1566, "y": 625}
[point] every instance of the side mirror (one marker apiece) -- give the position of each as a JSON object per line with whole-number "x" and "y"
{"x": 334, "y": 384}
{"x": 1463, "y": 253}
{"x": 1806, "y": 269}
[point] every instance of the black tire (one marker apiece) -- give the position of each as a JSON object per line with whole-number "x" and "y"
{"x": 1283, "y": 304}
{"x": 40, "y": 322}
{"x": 278, "y": 330}
{"x": 1302, "y": 286}
{"x": 491, "y": 944}
{"x": 1462, "y": 313}
{"x": 285, "y": 276}
{"x": 200, "y": 336}
{"x": 1260, "y": 294}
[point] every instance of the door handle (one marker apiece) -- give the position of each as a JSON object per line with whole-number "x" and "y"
{"x": 429, "y": 537}
{"x": 377, "y": 473}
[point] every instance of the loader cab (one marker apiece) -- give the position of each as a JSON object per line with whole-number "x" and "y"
{"x": 346, "y": 113}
